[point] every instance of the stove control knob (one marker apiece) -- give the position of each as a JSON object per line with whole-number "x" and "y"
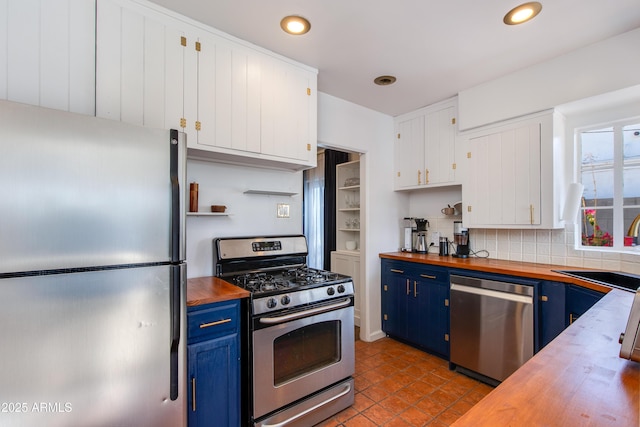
{"x": 285, "y": 300}
{"x": 272, "y": 302}
{"x": 331, "y": 291}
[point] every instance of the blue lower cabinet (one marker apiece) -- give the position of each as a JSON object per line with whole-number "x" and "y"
{"x": 579, "y": 300}
{"x": 415, "y": 305}
{"x": 213, "y": 358}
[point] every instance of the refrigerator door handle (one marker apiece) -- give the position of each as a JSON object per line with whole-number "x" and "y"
{"x": 177, "y": 278}
{"x": 178, "y": 176}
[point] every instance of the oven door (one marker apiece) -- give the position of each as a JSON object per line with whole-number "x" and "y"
{"x": 298, "y": 354}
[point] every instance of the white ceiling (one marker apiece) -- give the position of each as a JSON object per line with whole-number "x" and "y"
{"x": 435, "y": 48}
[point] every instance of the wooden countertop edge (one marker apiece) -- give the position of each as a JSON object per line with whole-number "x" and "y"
{"x": 498, "y": 266}
{"x": 577, "y": 379}
{"x": 210, "y": 289}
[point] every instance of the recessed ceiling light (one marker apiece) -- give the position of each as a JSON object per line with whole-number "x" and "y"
{"x": 384, "y": 80}
{"x": 522, "y": 13}
{"x": 295, "y": 25}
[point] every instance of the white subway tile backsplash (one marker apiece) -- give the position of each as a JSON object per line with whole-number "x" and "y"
{"x": 541, "y": 246}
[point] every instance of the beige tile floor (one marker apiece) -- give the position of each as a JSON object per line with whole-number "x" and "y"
{"x": 398, "y": 385}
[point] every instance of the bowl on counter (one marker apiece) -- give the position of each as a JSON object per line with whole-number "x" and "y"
{"x": 351, "y": 245}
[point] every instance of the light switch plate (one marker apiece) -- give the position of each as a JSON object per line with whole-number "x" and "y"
{"x": 435, "y": 238}
{"x": 283, "y": 210}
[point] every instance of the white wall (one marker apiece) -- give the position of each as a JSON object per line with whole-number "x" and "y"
{"x": 347, "y": 126}
{"x": 249, "y": 214}
{"x": 602, "y": 67}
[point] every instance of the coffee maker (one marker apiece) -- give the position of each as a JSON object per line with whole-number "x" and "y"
{"x": 461, "y": 239}
{"x": 415, "y": 235}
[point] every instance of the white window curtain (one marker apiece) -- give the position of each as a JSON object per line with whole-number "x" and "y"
{"x": 314, "y": 213}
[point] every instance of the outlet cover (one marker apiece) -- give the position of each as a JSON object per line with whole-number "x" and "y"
{"x": 283, "y": 210}
{"x": 435, "y": 238}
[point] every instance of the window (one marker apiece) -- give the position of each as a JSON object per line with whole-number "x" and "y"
{"x": 610, "y": 173}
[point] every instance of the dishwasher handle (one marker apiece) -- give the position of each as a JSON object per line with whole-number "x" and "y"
{"x": 525, "y": 299}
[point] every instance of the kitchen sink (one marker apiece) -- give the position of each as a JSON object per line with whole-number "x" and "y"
{"x": 629, "y": 282}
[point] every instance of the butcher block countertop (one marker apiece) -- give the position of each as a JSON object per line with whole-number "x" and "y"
{"x": 207, "y": 290}
{"x": 487, "y": 265}
{"x": 576, "y": 380}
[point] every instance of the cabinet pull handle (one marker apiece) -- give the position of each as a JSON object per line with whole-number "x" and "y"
{"x": 426, "y": 276}
{"x": 393, "y": 270}
{"x": 408, "y": 287}
{"x": 544, "y": 298}
{"x": 415, "y": 289}
{"x": 419, "y": 174}
{"x": 193, "y": 394}
{"x": 531, "y": 214}
{"x": 219, "y": 322}
{"x": 426, "y": 176}
{"x": 446, "y": 302}
{"x": 572, "y": 318}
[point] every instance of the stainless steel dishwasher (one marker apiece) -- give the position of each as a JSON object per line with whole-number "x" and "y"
{"x": 491, "y": 326}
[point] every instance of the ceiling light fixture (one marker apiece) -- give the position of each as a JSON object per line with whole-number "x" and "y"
{"x": 522, "y": 13}
{"x": 384, "y": 80}
{"x": 295, "y": 25}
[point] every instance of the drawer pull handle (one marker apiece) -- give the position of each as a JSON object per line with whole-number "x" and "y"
{"x": 393, "y": 270}
{"x": 426, "y": 276}
{"x": 219, "y": 322}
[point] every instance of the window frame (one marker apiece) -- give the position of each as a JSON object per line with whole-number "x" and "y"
{"x": 618, "y": 168}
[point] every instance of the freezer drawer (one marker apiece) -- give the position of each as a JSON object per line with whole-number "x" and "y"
{"x": 90, "y": 349}
{"x": 492, "y": 331}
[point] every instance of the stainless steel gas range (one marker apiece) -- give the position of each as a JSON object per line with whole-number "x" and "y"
{"x": 300, "y": 328}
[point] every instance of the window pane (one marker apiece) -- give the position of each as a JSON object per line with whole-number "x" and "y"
{"x": 597, "y": 227}
{"x": 597, "y": 167}
{"x": 631, "y": 150}
{"x": 598, "y": 187}
{"x": 631, "y": 226}
{"x": 597, "y": 147}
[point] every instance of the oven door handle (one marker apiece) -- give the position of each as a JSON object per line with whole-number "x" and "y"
{"x": 293, "y": 316}
{"x": 346, "y": 390}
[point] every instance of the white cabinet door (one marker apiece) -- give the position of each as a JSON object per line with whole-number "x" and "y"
{"x": 139, "y": 66}
{"x": 425, "y": 147}
{"x": 47, "y": 53}
{"x": 349, "y": 265}
{"x": 512, "y": 173}
{"x": 288, "y": 109}
{"x": 227, "y": 95}
{"x": 440, "y": 146}
{"x": 409, "y": 152}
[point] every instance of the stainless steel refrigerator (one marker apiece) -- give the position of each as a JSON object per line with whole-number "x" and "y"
{"x": 92, "y": 272}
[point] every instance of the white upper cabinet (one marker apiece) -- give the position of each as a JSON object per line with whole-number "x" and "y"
{"x": 139, "y": 66}
{"x": 236, "y": 103}
{"x": 513, "y": 173}
{"x": 425, "y": 147}
{"x": 47, "y": 53}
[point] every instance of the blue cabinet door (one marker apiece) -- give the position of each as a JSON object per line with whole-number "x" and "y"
{"x": 214, "y": 389}
{"x": 395, "y": 285}
{"x": 213, "y": 360}
{"x": 579, "y": 300}
{"x": 551, "y": 320}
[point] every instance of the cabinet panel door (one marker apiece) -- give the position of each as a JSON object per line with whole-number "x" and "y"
{"x": 139, "y": 67}
{"x": 507, "y": 163}
{"x": 214, "y": 377}
{"x": 439, "y": 152}
{"x": 409, "y": 153}
{"x": 47, "y": 51}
